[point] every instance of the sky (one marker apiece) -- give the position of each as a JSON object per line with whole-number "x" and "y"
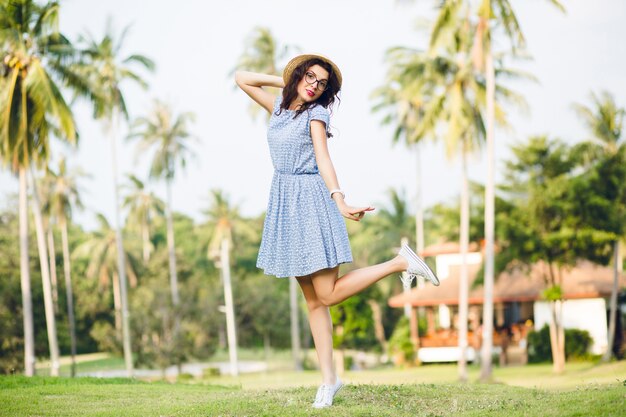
{"x": 196, "y": 45}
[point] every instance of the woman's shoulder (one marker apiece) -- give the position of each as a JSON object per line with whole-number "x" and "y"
{"x": 276, "y": 109}
{"x": 318, "y": 108}
{"x": 319, "y": 112}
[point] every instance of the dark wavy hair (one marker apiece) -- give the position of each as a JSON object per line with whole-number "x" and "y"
{"x": 327, "y": 98}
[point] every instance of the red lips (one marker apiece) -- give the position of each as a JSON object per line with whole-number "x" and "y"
{"x": 310, "y": 93}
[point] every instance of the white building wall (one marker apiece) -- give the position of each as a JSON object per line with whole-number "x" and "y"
{"x": 444, "y": 316}
{"x": 587, "y": 314}
{"x": 444, "y": 262}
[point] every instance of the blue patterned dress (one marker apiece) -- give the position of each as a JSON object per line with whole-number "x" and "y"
{"x": 303, "y": 230}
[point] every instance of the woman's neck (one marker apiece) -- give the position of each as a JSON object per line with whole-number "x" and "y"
{"x": 296, "y": 104}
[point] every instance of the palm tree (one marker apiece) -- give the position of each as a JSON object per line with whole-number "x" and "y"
{"x": 388, "y": 228}
{"x": 261, "y": 54}
{"x": 35, "y": 55}
{"x": 48, "y": 221}
{"x": 226, "y": 222}
{"x": 605, "y": 120}
{"x": 450, "y": 92}
{"x": 167, "y": 136}
{"x": 404, "y": 99}
{"x": 405, "y": 109}
{"x": 439, "y": 88}
{"x": 502, "y": 13}
{"x": 142, "y": 208}
{"x": 64, "y": 196}
{"x": 106, "y": 71}
{"x": 458, "y": 107}
{"x": 101, "y": 251}
{"x": 45, "y": 276}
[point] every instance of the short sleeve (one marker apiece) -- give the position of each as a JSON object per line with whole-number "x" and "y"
{"x": 320, "y": 113}
{"x": 277, "y": 101}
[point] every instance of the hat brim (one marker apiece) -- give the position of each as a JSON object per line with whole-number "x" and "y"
{"x": 295, "y": 62}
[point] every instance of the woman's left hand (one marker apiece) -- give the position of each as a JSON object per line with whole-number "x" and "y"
{"x": 354, "y": 213}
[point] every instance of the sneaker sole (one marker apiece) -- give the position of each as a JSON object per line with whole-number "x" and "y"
{"x": 432, "y": 277}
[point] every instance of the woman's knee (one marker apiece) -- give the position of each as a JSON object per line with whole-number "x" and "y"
{"x": 323, "y": 282}
{"x": 327, "y": 300}
{"x": 313, "y": 304}
{"x": 312, "y": 301}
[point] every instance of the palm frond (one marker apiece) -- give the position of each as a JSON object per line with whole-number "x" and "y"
{"x": 45, "y": 92}
{"x": 146, "y": 62}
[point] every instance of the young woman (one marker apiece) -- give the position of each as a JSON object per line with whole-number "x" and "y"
{"x": 304, "y": 234}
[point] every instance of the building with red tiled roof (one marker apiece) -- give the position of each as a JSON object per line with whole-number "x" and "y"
{"x": 517, "y": 302}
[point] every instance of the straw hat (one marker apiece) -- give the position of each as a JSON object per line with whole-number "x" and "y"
{"x": 293, "y": 64}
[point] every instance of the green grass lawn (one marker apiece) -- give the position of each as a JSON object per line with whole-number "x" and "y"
{"x": 529, "y": 376}
{"x": 93, "y": 362}
{"x": 585, "y": 389}
{"x": 44, "y": 396}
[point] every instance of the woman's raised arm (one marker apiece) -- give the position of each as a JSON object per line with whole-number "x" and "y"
{"x": 252, "y": 84}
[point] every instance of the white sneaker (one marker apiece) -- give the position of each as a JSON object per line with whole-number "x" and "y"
{"x": 326, "y": 394}
{"x": 417, "y": 266}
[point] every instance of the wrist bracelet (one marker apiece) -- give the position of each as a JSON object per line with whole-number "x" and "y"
{"x": 337, "y": 191}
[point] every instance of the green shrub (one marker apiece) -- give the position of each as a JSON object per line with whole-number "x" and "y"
{"x": 539, "y": 349}
{"x": 211, "y": 372}
{"x": 308, "y": 364}
{"x": 400, "y": 341}
{"x": 184, "y": 377}
{"x": 577, "y": 343}
{"x": 348, "y": 362}
{"x": 422, "y": 325}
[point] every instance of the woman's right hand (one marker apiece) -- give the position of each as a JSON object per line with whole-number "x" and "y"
{"x": 354, "y": 213}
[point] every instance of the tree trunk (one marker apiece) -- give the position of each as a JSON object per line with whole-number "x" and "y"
{"x": 487, "y": 337}
{"x": 295, "y": 324}
{"x": 171, "y": 246}
{"x": 117, "y": 306}
{"x": 561, "y": 337}
{"x": 415, "y": 336}
{"x": 379, "y": 330}
{"x": 463, "y": 281}
{"x": 419, "y": 212}
{"x": 69, "y": 294}
{"x": 53, "y": 269}
{"x": 27, "y": 300}
{"x": 121, "y": 267}
{"x": 51, "y": 327}
{"x": 557, "y": 337}
{"x": 230, "y": 312}
{"x": 617, "y": 269}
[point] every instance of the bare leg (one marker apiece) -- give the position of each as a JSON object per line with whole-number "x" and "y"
{"x": 321, "y": 328}
{"x": 330, "y": 290}
{"x": 322, "y": 289}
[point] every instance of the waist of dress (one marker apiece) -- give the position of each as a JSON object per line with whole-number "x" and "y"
{"x": 294, "y": 174}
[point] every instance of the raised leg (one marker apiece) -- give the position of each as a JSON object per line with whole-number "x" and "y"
{"x": 322, "y": 289}
{"x": 330, "y": 290}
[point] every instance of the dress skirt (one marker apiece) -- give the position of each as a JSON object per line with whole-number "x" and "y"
{"x": 303, "y": 231}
